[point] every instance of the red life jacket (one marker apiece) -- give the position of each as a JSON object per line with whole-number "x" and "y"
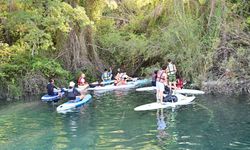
{"x": 179, "y": 83}
{"x": 161, "y": 76}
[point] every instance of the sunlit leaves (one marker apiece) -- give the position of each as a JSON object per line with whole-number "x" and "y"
{"x": 49, "y": 68}
{"x": 202, "y": 2}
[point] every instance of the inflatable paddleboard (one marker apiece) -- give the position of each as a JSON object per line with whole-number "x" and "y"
{"x": 73, "y": 104}
{"x": 149, "y": 88}
{"x": 181, "y": 91}
{"x": 131, "y": 84}
{"x": 182, "y": 100}
{"x": 113, "y": 87}
{"x": 189, "y": 91}
{"x": 49, "y": 98}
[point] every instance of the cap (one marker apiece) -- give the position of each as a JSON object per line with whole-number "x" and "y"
{"x": 71, "y": 84}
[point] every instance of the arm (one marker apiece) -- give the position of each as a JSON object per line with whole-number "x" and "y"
{"x": 166, "y": 78}
{"x": 102, "y": 77}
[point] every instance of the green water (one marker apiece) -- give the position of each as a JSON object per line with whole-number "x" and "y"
{"x": 109, "y": 122}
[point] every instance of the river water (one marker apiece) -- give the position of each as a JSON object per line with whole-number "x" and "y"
{"x": 109, "y": 122}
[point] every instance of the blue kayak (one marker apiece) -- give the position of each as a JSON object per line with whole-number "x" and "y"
{"x": 73, "y": 104}
{"x": 49, "y": 98}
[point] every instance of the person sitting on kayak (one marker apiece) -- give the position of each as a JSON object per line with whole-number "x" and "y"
{"x": 107, "y": 75}
{"x": 82, "y": 82}
{"x": 51, "y": 88}
{"x": 72, "y": 93}
{"x": 154, "y": 76}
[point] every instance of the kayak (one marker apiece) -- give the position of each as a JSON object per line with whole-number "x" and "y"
{"x": 182, "y": 100}
{"x": 181, "y": 91}
{"x": 73, "y": 104}
{"x": 131, "y": 84}
{"x": 49, "y": 98}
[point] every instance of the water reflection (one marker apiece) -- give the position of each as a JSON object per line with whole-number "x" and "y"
{"x": 161, "y": 125}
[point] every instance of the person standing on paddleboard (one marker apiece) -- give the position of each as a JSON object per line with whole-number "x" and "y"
{"x": 171, "y": 70}
{"x": 161, "y": 82}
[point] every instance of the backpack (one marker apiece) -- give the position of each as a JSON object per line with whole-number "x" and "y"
{"x": 169, "y": 97}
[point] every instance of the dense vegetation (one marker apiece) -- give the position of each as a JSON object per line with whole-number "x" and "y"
{"x": 209, "y": 41}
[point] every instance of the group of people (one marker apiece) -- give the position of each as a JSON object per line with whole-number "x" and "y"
{"x": 121, "y": 78}
{"x": 166, "y": 76}
{"x": 72, "y": 93}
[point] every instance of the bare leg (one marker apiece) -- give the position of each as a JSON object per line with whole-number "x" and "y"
{"x": 161, "y": 96}
{"x": 158, "y": 96}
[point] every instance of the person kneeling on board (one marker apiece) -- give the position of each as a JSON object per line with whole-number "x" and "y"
{"x": 169, "y": 97}
{"x": 73, "y": 94}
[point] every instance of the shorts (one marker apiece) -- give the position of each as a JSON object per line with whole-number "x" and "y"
{"x": 153, "y": 83}
{"x": 160, "y": 86}
{"x": 172, "y": 78}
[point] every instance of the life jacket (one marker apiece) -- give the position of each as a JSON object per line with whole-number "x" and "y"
{"x": 105, "y": 76}
{"x": 171, "y": 68}
{"x": 161, "y": 76}
{"x": 72, "y": 93}
{"x": 179, "y": 83}
{"x": 81, "y": 81}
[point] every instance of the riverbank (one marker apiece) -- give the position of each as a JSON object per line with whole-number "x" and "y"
{"x": 226, "y": 87}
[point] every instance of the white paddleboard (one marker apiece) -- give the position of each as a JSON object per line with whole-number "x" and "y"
{"x": 189, "y": 91}
{"x": 131, "y": 84}
{"x": 182, "y": 100}
{"x": 181, "y": 91}
{"x": 149, "y": 88}
{"x": 112, "y": 87}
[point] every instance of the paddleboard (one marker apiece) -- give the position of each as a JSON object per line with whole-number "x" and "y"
{"x": 181, "y": 91}
{"x": 150, "y": 88}
{"x": 49, "y": 98}
{"x": 189, "y": 91}
{"x": 182, "y": 100}
{"x": 130, "y": 84}
{"x": 112, "y": 87}
{"x": 73, "y": 104}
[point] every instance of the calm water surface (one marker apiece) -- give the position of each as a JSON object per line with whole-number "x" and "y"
{"x": 109, "y": 122}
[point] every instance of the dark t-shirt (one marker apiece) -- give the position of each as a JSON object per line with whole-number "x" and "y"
{"x": 72, "y": 93}
{"x": 50, "y": 89}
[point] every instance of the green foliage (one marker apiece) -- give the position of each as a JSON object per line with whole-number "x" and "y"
{"x": 49, "y": 68}
{"x": 126, "y": 49}
{"x": 28, "y": 32}
{"x": 138, "y": 36}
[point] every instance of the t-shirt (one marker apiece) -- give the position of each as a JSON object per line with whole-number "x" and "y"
{"x": 72, "y": 93}
{"x": 50, "y": 89}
